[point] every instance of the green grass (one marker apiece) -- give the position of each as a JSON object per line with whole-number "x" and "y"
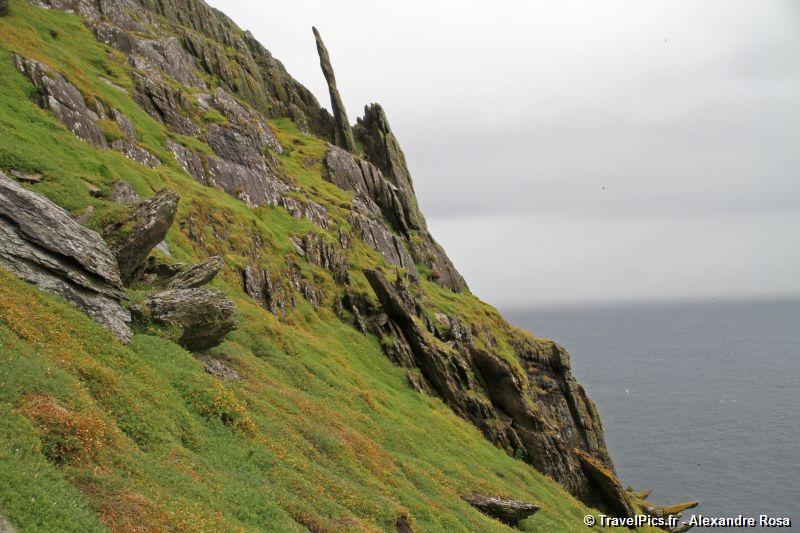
{"x": 322, "y": 430}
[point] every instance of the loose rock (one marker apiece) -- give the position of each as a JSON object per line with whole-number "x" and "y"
{"x": 197, "y": 275}
{"x": 205, "y": 315}
{"x": 151, "y": 220}
{"x": 510, "y": 512}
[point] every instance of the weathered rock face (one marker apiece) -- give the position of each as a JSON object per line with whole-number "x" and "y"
{"x": 128, "y": 145}
{"x": 332, "y": 256}
{"x": 383, "y": 151}
{"x": 510, "y": 512}
{"x": 249, "y": 185}
{"x": 165, "y": 55}
{"x": 246, "y": 121}
{"x": 343, "y": 133}
{"x": 538, "y": 412}
{"x": 205, "y": 37}
{"x": 364, "y": 179}
{"x": 197, "y": 275}
{"x": 369, "y": 226}
{"x": 42, "y": 244}
{"x": 606, "y": 486}
{"x": 123, "y": 193}
{"x": 68, "y": 105}
{"x": 151, "y": 220}
{"x": 63, "y": 99}
{"x": 377, "y": 199}
{"x": 205, "y": 315}
{"x": 165, "y": 103}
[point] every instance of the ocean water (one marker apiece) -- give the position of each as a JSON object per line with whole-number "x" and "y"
{"x": 699, "y": 401}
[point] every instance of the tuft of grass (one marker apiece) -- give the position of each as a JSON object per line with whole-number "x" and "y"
{"x": 110, "y": 130}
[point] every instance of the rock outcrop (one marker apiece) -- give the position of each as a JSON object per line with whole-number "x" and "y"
{"x": 342, "y": 131}
{"x": 382, "y": 150}
{"x": 68, "y": 104}
{"x": 146, "y": 228}
{"x": 404, "y": 242}
{"x": 509, "y": 512}
{"x": 42, "y": 244}
{"x": 367, "y": 181}
{"x": 533, "y": 408}
{"x": 63, "y": 99}
{"x": 204, "y": 315}
{"x": 216, "y": 46}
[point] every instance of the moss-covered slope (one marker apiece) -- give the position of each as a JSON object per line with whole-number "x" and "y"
{"x": 322, "y": 431}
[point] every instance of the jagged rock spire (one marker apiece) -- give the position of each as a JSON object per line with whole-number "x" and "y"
{"x": 343, "y": 133}
{"x": 382, "y": 150}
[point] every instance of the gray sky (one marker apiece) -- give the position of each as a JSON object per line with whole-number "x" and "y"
{"x": 567, "y": 151}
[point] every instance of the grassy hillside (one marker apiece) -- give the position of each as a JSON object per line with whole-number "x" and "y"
{"x": 322, "y": 431}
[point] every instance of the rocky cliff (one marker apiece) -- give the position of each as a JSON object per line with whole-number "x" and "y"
{"x": 193, "y": 102}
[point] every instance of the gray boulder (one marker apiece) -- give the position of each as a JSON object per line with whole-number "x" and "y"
{"x": 63, "y": 99}
{"x": 510, "y": 512}
{"x": 42, "y": 244}
{"x": 197, "y": 275}
{"x": 205, "y": 315}
{"x": 151, "y": 220}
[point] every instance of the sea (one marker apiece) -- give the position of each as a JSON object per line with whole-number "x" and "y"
{"x": 699, "y": 400}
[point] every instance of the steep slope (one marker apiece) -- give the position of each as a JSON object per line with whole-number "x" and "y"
{"x": 298, "y": 419}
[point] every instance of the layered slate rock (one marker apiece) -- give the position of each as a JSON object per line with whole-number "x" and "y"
{"x": 42, "y": 244}
{"x": 204, "y": 315}
{"x": 607, "y": 484}
{"x": 251, "y": 186}
{"x": 128, "y": 145}
{"x": 247, "y": 122}
{"x": 123, "y": 193}
{"x": 206, "y": 38}
{"x": 375, "y": 200}
{"x": 164, "y": 102}
{"x": 149, "y": 223}
{"x": 63, "y": 99}
{"x": 402, "y": 243}
{"x": 534, "y": 409}
{"x": 510, "y": 512}
{"x": 342, "y": 132}
{"x": 382, "y": 150}
{"x": 367, "y": 181}
{"x": 165, "y": 55}
{"x": 68, "y": 104}
{"x": 197, "y": 275}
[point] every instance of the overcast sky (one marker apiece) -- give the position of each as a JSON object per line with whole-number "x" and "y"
{"x": 569, "y": 151}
